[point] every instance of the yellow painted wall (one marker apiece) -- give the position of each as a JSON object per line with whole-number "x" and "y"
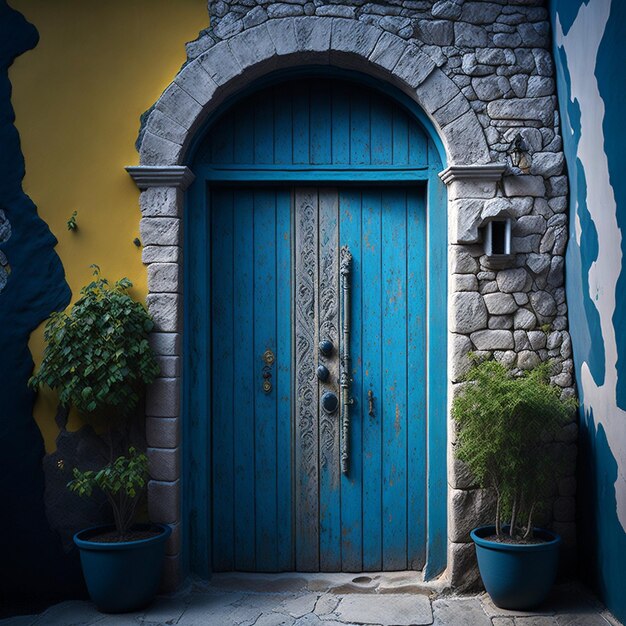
{"x": 77, "y": 98}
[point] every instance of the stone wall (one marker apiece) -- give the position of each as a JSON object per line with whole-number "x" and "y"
{"x": 497, "y": 55}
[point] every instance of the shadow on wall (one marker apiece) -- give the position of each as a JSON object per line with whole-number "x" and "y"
{"x": 33, "y": 563}
{"x": 603, "y": 543}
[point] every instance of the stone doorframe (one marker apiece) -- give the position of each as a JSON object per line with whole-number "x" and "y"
{"x": 196, "y": 92}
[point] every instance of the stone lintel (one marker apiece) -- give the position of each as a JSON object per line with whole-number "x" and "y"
{"x": 488, "y": 171}
{"x": 145, "y": 176}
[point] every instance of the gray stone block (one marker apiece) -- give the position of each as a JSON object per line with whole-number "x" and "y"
{"x": 163, "y": 398}
{"x": 179, "y": 105}
{"x": 164, "y": 501}
{"x": 283, "y": 35}
{"x": 500, "y": 303}
{"x": 524, "y": 185}
{"x": 161, "y": 202}
{"x": 396, "y": 609}
{"x": 413, "y": 67}
{"x": 460, "y": 346}
{"x": 462, "y": 262}
{"x": 463, "y": 567}
{"x": 252, "y": 46}
{"x": 388, "y": 51}
{"x": 353, "y": 37}
{"x": 463, "y": 282}
{"x": 165, "y": 311}
{"x": 547, "y": 164}
{"x": 469, "y": 36}
{"x": 493, "y": 340}
{"x": 163, "y": 126}
{"x": 465, "y": 141}
{"x": 543, "y": 304}
{"x": 468, "y": 312}
{"x": 282, "y": 9}
{"x": 165, "y": 344}
{"x": 161, "y": 254}
{"x": 500, "y": 322}
{"x": 451, "y": 111}
{"x": 528, "y": 225}
{"x": 196, "y": 82}
{"x": 160, "y": 231}
{"x": 169, "y": 366}
{"x": 228, "y": 26}
{"x": 164, "y": 463}
{"x": 524, "y": 320}
{"x": 526, "y": 360}
{"x": 436, "y": 91}
{"x": 163, "y": 432}
{"x": 459, "y": 612}
{"x": 220, "y": 64}
{"x": 512, "y": 280}
{"x": 469, "y": 509}
{"x": 165, "y": 278}
{"x": 434, "y": 32}
{"x": 531, "y": 109}
{"x": 312, "y": 34}
{"x": 156, "y": 150}
{"x": 465, "y": 220}
{"x": 254, "y": 17}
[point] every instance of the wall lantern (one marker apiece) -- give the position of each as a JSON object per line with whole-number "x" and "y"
{"x": 519, "y": 154}
{"x": 497, "y": 242}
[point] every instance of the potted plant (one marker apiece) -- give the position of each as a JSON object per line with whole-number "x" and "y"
{"x": 505, "y": 420}
{"x": 98, "y": 360}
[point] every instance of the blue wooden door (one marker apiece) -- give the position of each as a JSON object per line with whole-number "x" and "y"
{"x": 279, "y": 499}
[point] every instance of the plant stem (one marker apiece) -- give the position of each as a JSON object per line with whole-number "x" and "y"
{"x": 513, "y": 515}
{"x": 529, "y": 527}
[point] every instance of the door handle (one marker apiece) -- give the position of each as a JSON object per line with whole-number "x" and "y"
{"x": 370, "y": 403}
{"x": 345, "y": 375}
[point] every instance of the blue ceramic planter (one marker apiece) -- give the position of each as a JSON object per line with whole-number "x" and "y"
{"x": 123, "y": 576}
{"x": 517, "y": 576}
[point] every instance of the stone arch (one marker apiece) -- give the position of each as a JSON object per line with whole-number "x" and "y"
{"x": 217, "y": 74}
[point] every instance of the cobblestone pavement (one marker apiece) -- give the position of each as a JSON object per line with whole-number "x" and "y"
{"x": 569, "y": 605}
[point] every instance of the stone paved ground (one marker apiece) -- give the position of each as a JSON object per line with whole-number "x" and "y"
{"x": 569, "y": 605}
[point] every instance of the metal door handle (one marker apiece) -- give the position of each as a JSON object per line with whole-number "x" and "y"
{"x": 370, "y": 403}
{"x": 345, "y": 376}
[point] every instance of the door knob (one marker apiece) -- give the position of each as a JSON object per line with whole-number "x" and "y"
{"x": 330, "y": 402}
{"x": 322, "y": 373}
{"x": 326, "y": 347}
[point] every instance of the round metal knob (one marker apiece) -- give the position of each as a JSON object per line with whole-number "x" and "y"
{"x": 330, "y": 402}
{"x": 322, "y": 373}
{"x": 326, "y": 347}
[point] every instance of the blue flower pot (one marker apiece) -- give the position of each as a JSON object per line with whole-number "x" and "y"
{"x": 125, "y": 576}
{"x": 517, "y": 576}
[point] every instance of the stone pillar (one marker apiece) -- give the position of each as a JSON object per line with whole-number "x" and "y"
{"x": 161, "y": 229}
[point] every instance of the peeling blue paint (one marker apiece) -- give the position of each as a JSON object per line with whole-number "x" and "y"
{"x": 32, "y": 557}
{"x": 591, "y": 102}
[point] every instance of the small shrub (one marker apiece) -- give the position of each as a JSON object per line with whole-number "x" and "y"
{"x": 503, "y": 420}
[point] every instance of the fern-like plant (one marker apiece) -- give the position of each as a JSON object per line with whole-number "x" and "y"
{"x": 98, "y": 359}
{"x": 503, "y": 421}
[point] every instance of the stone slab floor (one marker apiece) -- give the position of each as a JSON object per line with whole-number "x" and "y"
{"x": 569, "y": 605}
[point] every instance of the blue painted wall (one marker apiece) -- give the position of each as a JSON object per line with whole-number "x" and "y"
{"x": 32, "y": 557}
{"x": 590, "y": 62}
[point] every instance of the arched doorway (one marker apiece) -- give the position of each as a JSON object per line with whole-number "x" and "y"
{"x": 287, "y": 176}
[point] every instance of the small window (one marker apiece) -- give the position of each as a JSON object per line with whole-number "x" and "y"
{"x": 498, "y": 238}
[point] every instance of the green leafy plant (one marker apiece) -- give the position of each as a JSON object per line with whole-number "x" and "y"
{"x": 98, "y": 354}
{"x": 123, "y": 482}
{"x": 98, "y": 359}
{"x": 503, "y": 421}
{"x": 71, "y": 223}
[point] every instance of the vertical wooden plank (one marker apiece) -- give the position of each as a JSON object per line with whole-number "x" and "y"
{"x": 265, "y": 404}
{"x": 284, "y": 381}
{"x": 283, "y": 126}
{"x": 222, "y": 379}
{"x": 351, "y": 484}
{"x": 360, "y": 136}
{"x": 400, "y": 137}
{"x": 340, "y": 131}
{"x": 416, "y": 376}
{"x": 320, "y": 108}
{"x": 196, "y": 409}
{"x": 243, "y": 130}
{"x": 245, "y": 379}
{"x": 382, "y": 131}
{"x": 264, "y": 128}
{"x": 394, "y": 379}
{"x": 222, "y": 140}
{"x": 306, "y": 405}
{"x": 301, "y": 123}
{"x": 418, "y": 145}
{"x": 329, "y": 444}
{"x": 372, "y": 380}
{"x": 437, "y": 400}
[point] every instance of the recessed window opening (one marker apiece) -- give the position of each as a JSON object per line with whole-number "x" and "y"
{"x": 498, "y": 237}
